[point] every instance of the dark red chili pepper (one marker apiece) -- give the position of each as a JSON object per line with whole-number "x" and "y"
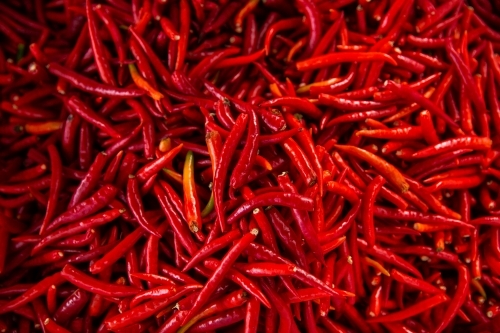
{"x": 249, "y": 153}
{"x": 91, "y": 86}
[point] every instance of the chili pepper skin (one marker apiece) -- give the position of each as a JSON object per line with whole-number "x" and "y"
{"x": 368, "y": 203}
{"x": 332, "y": 59}
{"x": 85, "y": 282}
{"x": 458, "y": 299}
{"x": 211, "y": 248}
{"x": 291, "y": 200}
{"x": 387, "y": 170}
{"x": 77, "y": 227}
{"x": 92, "y": 86}
{"x": 228, "y": 149}
{"x": 134, "y": 200}
{"x": 71, "y": 307}
{"x": 217, "y": 276}
{"x": 421, "y": 306}
{"x": 89, "y": 206}
{"x": 82, "y": 110}
{"x": 303, "y": 220}
{"x": 56, "y": 183}
{"x": 249, "y": 153}
{"x": 33, "y": 292}
{"x": 191, "y": 202}
{"x": 455, "y": 144}
{"x": 101, "y": 62}
{"x": 302, "y": 163}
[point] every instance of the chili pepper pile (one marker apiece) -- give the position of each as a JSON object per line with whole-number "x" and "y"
{"x": 249, "y": 166}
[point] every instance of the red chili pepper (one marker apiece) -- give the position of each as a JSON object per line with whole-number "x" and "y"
{"x": 91, "y": 86}
{"x": 218, "y": 274}
{"x": 332, "y": 59}
{"x": 77, "y": 227}
{"x": 228, "y": 149}
{"x": 249, "y": 153}
{"x": 387, "y": 170}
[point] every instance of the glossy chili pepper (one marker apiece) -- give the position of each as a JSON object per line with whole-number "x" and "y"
{"x": 91, "y": 86}
{"x": 228, "y": 149}
{"x": 218, "y": 274}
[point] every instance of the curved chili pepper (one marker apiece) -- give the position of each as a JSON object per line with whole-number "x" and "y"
{"x": 90, "y": 181}
{"x": 458, "y": 298}
{"x": 83, "y": 83}
{"x": 85, "y": 282}
{"x": 244, "y": 282}
{"x": 388, "y": 171}
{"x": 349, "y": 104}
{"x": 117, "y": 252}
{"x": 232, "y": 300}
{"x": 301, "y": 162}
{"x": 89, "y": 206}
{"x": 290, "y": 200}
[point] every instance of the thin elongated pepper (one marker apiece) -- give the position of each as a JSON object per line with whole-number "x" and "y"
{"x": 97, "y": 47}
{"x": 336, "y": 58}
{"x": 218, "y": 275}
{"x": 91, "y": 86}
{"x": 387, "y": 170}
{"x": 137, "y": 208}
{"x": 120, "y": 249}
{"x": 368, "y": 204}
{"x": 77, "y": 227}
{"x": 191, "y": 202}
{"x": 408, "y": 93}
{"x": 303, "y": 220}
{"x": 35, "y": 291}
{"x": 91, "y": 205}
{"x": 291, "y": 200}
{"x": 300, "y": 160}
{"x": 78, "y": 107}
{"x": 249, "y": 153}
{"x": 209, "y": 249}
{"x": 55, "y": 188}
{"x": 410, "y": 311}
{"x": 80, "y": 279}
{"x": 220, "y": 175}
{"x": 468, "y": 142}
